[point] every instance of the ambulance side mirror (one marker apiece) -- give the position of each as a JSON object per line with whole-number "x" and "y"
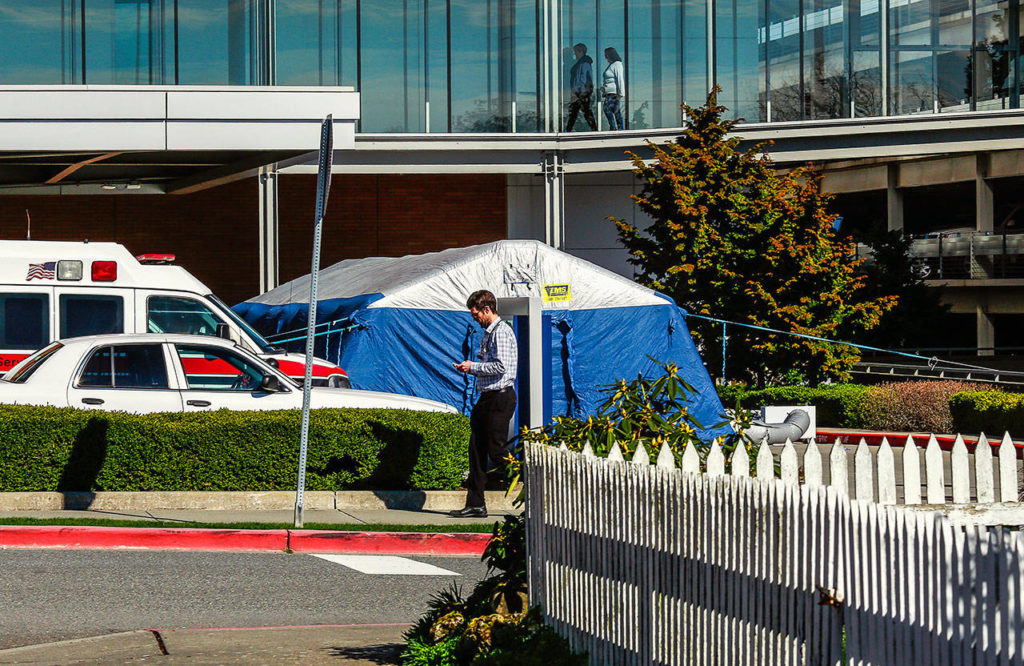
{"x": 223, "y": 331}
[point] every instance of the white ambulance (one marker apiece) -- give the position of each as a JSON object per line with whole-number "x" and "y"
{"x": 51, "y": 290}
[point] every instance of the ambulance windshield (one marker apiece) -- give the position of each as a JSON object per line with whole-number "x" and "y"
{"x": 257, "y": 339}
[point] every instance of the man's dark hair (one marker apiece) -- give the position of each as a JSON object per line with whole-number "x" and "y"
{"x": 482, "y": 299}
{"x": 581, "y": 48}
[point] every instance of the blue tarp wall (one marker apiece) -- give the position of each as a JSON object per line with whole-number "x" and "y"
{"x": 410, "y": 351}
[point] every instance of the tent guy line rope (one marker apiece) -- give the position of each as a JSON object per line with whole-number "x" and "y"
{"x": 932, "y": 361}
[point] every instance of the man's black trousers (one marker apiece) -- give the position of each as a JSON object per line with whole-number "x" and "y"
{"x": 488, "y": 438}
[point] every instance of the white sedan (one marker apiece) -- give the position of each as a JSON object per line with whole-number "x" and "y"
{"x": 172, "y": 373}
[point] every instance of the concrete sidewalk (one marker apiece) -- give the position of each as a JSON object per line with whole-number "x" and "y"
{"x": 354, "y": 507}
{"x": 352, "y": 645}
{"x": 327, "y": 516}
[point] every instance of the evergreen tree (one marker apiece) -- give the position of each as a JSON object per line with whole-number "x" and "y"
{"x": 919, "y": 318}
{"x": 730, "y": 238}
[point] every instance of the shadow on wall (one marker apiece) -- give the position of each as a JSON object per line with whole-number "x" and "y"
{"x": 88, "y": 453}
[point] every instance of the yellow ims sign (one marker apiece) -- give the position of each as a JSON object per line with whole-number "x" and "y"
{"x": 554, "y": 293}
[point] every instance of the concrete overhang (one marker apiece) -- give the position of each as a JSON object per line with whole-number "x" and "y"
{"x": 72, "y": 139}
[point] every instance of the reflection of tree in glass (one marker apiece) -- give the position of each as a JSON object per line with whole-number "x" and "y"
{"x": 639, "y": 119}
{"x": 485, "y": 117}
{"x": 827, "y": 97}
{"x": 993, "y": 63}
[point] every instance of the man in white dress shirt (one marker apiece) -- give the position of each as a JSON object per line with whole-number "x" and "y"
{"x": 495, "y": 370}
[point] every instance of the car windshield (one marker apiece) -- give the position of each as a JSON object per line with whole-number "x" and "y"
{"x": 257, "y": 339}
{"x": 24, "y": 370}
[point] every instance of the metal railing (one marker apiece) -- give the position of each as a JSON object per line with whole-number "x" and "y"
{"x": 971, "y": 255}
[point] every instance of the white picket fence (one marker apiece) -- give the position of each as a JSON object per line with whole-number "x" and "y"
{"x": 974, "y": 487}
{"x": 639, "y": 563}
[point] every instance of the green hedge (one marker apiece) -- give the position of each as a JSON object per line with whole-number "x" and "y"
{"x": 989, "y": 412}
{"x": 838, "y": 405}
{"x": 49, "y": 449}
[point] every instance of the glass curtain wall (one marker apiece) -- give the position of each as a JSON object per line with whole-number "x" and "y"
{"x": 474, "y": 65}
{"x": 663, "y": 48}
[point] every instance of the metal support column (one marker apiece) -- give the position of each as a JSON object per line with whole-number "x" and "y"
{"x": 894, "y": 199}
{"x": 269, "y": 228}
{"x": 551, "y": 65}
{"x": 986, "y": 332}
{"x": 984, "y": 201}
{"x": 554, "y": 200}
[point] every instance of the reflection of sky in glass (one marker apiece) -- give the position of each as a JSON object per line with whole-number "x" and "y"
{"x": 30, "y": 42}
{"x": 203, "y": 43}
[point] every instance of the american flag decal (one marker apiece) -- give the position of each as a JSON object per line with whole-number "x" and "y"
{"x": 41, "y": 271}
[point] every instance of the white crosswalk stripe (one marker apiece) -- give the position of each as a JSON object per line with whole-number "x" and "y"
{"x": 386, "y": 565}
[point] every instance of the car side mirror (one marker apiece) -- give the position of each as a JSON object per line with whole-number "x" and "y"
{"x": 270, "y": 384}
{"x": 223, "y": 331}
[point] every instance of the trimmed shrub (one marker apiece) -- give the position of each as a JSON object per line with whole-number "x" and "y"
{"x": 50, "y": 449}
{"x": 989, "y": 412}
{"x": 838, "y": 405}
{"x": 916, "y": 406}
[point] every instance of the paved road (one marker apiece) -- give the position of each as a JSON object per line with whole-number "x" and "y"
{"x": 50, "y": 595}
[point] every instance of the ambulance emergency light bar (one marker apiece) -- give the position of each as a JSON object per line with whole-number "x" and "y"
{"x": 70, "y": 270}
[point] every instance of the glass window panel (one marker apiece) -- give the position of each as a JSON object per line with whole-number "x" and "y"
{"x": 993, "y": 55}
{"x": 98, "y": 370}
{"x": 124, "y": 41}
{"x": 140, "y": 366}
{"x": 480, "y": 93}
{"x": 90, "y": 315}
{"x": 866, "y": 54}
{"x": 598, "y": 25}
{"x": 911, "y": 83}
{"x": 211, "y": 368}
{"x": 24, "y": 321}
{"x": 215, "y": 42}
{"x": 174, "y": 314}
{"x": 953, "y": 82}
{"x": 436, "y": 72}
{"x": 825, "y": 67}
{"x": 526, "y": 71}
{"x": 32, "y": 363}
{"x": 782, "y": 37}
{"x": 126, "y": 366}
{"x": 40, "y": 42}
{"x": 867, "y": 83}
{"x": 693, "y": 27}
{"x": 655, "y": 63}
{"x": 391, "y": 44}
{"x": 738, "y": 57}
{"x": 307, "y": 33}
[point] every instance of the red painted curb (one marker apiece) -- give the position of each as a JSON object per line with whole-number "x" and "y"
{"x": 76, "y": 536}
{"x": 302, "y": 541}
{"x": 387, "y": 543}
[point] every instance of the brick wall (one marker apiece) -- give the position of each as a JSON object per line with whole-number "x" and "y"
{"x": 389, "y": 216}
{"x": 214, "y": 233}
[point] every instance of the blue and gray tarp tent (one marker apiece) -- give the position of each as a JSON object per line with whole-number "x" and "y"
{"x": 397, "y": 324}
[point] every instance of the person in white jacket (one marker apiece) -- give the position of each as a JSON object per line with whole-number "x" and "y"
{"x": 613, "y": 88}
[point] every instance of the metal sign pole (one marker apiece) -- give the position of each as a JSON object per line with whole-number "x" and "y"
{"x": 323, "y": 186}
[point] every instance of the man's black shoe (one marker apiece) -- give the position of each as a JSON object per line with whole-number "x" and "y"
{"x": 469, "y": 512}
